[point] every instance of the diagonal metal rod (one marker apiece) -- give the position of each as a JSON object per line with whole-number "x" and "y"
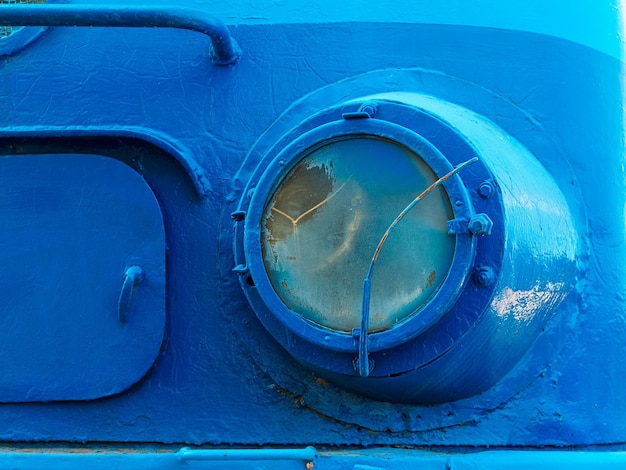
{"x": 363, "y": 358}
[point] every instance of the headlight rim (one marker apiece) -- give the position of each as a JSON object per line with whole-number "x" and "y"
{"x": 278, "y": 163}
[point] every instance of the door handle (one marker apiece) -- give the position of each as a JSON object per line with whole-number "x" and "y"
{"x": 132, "y": 278}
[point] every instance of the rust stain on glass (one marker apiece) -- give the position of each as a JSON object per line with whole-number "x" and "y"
{"x": 325, "y": 219}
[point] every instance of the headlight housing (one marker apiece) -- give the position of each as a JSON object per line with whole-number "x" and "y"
{"x": 318, "y": 204}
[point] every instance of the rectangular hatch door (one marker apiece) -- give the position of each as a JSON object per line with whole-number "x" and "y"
{"x": 82, "y": 284}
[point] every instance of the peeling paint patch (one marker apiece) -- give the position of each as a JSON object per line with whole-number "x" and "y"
{"x": 522, "y": 305}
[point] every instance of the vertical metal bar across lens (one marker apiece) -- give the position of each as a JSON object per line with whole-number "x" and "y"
{"x": 363, "y": 359}
{"x": 225, "y": 49}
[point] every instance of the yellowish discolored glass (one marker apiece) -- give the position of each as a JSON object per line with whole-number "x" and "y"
{"x": 322, "y": 224}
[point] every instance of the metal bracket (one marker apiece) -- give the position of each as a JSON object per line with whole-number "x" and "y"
{"x": 366, "y": 111}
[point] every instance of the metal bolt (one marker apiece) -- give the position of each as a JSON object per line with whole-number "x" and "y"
{"x": 480, "y": 224}
{"x": 484, "y": 276}
{"x": 486, "y": 189}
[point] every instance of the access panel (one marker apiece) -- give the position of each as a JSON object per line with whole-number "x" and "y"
{"x": 82, "y": 250}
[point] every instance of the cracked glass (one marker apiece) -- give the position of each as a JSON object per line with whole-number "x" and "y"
{"x": 321, "y": 227}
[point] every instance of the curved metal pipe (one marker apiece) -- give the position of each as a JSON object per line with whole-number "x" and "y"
{"x": 225, "y": 49}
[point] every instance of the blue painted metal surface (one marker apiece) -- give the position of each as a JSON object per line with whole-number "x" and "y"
{"x": 67, "y": 239}
{"x": 437, "y": 354}
{"x": 531, "y": 358}
{"x": 267, "y": 459}
{"x": 364, "y": 368}
{"x": 225, "y": 49}
{"x": 132, "y": 278}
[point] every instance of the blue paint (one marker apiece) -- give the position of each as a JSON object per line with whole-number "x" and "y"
{"x": 159, "y": 458}
{"x": 225, "y": 49}
{"x": 547, "y": 80}
{"x": 63, "y": 335}
{"x": 480, "y": 225}
{"x": 21, "y": 37}
{"x": 364, "y": 359}
{"x": 364, "y": 366}
{"x": 375, "y": 459}
{"x": 106, "y": 137}
{"x": 592, "y": 24}
{"x": 308, "y": 454}
{"x": 435, "y": 355}
{"x": 132, "y": 278}
{"x": 275, "y": 315}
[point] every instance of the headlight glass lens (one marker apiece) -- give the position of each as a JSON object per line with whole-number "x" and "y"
{"x": 322, "y": 224}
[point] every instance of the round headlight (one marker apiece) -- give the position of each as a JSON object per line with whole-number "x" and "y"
{"x": 397, "y": 243}
{"x": 325, "y": 218}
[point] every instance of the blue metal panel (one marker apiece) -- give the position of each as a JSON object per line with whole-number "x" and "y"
{"x": 308, "y": 458}
{"x": 159, "y": 458}
{"x": 224, "y": 52}
{"x": 83, "y": 278}
{"x": 591, "y": 24}
{"x": 476, "y": 320}
{"x": 549, "y": 76}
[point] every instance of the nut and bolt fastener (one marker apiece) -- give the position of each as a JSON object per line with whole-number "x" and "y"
{"x": 486, "y": 189}
{"x": 484, "y": 276}
{"x": 480, "y": 224}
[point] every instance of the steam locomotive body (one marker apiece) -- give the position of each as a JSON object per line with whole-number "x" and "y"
{"x": 270, "y": 234}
